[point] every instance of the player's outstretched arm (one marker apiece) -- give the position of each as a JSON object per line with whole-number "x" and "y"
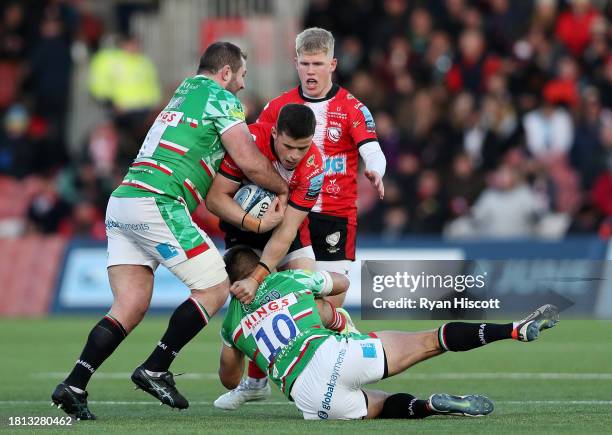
{"x": 239, "y": 144}
{"x": 231, "y": 366}
{"x": 283, "y": 235}
{"x": 220, "y": 201}
{"x": 274, "y": 251}
{"x": 375, "y": 165}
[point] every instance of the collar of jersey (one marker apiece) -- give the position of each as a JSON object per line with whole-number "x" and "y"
{"x": 206, "y": 78}
{"x": 330, "y": 94}
{"x": 274, "y": 150}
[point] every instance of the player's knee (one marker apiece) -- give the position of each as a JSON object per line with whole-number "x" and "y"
{"x": 130, "y": 312}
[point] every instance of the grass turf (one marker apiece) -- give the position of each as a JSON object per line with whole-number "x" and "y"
{"x": 561, "y": 383}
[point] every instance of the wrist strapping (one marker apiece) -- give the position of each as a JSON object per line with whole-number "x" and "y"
{"x": 260, "y": 273}
{"x": 250, "y": 223}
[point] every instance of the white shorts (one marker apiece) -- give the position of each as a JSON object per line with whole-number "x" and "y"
{"x": 150, "y": 231}
{"x": 330, "y": 385}
{"x": 342, "y": 267}
{"x": 305, "y": 252}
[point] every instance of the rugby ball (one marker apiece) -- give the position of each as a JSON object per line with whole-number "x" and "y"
{"x": 254, "y": 199}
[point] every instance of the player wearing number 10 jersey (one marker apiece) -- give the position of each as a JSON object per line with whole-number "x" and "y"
{"x": 323, "y": 372}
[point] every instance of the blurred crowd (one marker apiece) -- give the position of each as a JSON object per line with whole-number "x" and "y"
{"x": 45, "y": 187}
{"x": 495, "y": 115}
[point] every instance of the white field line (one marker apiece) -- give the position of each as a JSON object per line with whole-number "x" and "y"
{"x": 121, "y": 375}
{"x": 114, "y": 402}
{"x": 416, "y": 376}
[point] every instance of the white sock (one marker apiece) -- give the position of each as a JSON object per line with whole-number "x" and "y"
{"x": 257, "y": 382}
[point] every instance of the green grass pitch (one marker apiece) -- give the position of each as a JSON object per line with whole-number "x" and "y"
{"x": 561, "y": 383}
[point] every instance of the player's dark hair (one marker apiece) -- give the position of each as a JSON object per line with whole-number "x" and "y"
{"x": 296, "y": 120}
{"x": 219, "y": 54}
{"x": 240, "y": 261}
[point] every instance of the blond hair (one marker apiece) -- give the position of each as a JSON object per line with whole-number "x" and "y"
{"x": 315, "y": 40}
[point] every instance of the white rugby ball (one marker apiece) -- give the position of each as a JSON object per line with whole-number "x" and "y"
{"x": 254, "y": 199}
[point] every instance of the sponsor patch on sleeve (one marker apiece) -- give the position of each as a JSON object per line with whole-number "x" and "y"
{"x": 314, "y": 187}
{"x": 369, "y": 119}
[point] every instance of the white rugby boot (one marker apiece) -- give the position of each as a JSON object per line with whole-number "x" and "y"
{"x": 244, "y": 392}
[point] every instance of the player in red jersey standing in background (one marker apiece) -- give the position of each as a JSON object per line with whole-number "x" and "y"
{"x": 345, "y": 130}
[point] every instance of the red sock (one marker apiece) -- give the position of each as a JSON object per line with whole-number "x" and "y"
{"x": 255, "y": 372}
{"x": 338, "y": 321}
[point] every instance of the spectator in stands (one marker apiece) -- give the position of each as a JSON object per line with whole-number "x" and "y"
{"x": 603, "y": 81}
{"x": 126, "y": 79}
{"x": 449, "y": 18}
{"x": 15, "y": 150}
{"x": 50, "y": 75}
{"x": 430, "y": 210}
{"x": 12, "y": 52}
{"x": 574, "y": 25}
{"x": 498, "y": 129}
{"x": 424, "y": 130}
{"x": 549, "y": 129}
{"x": 588, "y": 152}
{"x": 602, "y": 191}
{"x": 47, "y": 211}
{"x": 507, "y": 20}
{"x": 508, "y": 208}
{"x": 389, "y": 136}
{"x": 437, "y": 60}
{"x": 544, "y": 15}
{"x": 473, "y": 66}
{"x": 351, "y": 56}
{"x": 462, "y": 185}
{"x": 394, "y": 21}
{"x": 420, "y": 30}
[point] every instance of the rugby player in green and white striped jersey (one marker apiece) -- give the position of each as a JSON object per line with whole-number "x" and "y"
{"x": 324, "y": 372}
{"x": 148, "y": 221}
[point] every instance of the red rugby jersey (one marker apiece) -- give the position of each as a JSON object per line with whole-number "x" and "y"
{"x": 304, "y": 181}
{"x": 343, "y": 125}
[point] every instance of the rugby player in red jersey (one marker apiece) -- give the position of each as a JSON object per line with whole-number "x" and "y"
{"x": 345, "y": 130}
{"x": 288, "y": 145}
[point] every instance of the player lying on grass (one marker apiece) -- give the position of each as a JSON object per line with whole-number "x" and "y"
{"x": 323, "y": 371}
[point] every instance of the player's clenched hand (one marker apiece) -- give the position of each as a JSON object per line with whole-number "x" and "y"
{"x": 244, "y": 290}
{"x": 272, "y": 217}
{"x": 377, "y": 182}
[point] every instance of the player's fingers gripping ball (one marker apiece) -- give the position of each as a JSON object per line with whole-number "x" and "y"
{"x": 254, "y": 199}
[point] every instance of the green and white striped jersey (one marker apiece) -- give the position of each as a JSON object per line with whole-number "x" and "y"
{"x": 183, "y": 150}
{"x": 281, "y": 329}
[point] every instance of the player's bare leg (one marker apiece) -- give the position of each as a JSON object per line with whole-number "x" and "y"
{"x": 153, "y": 376}
{"x": 403, "y": 350}
{"x": 132, "y": 287}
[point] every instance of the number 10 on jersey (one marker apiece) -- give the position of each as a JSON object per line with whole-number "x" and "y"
{"x": 275, "y": 332}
